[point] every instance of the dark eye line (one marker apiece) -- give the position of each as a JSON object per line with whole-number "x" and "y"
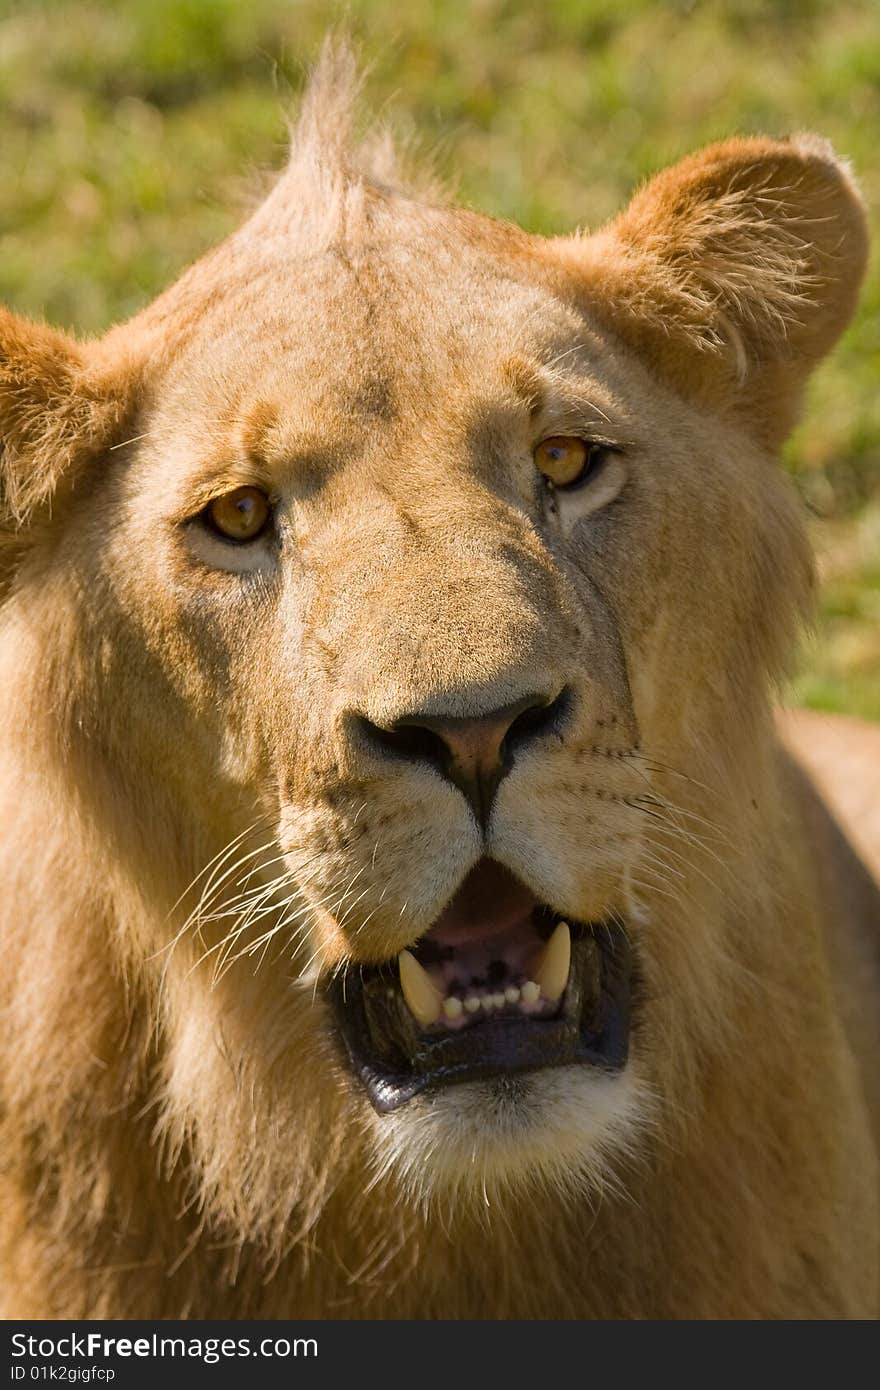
{"x": 206, "y": 520}
{"x": 597, "y": 450}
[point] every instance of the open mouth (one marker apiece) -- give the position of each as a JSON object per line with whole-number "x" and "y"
{"x": 501, "y": 983}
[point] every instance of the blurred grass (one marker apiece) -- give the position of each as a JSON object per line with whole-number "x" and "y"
{"x": 132, "y": 127}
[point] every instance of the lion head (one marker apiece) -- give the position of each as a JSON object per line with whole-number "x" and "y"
{"x": 391, "y": 614}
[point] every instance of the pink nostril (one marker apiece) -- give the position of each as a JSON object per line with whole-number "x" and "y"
{"x": 474, "y": 753}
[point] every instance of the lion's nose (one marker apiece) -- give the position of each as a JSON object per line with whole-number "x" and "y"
{"x": 475, "y": 753}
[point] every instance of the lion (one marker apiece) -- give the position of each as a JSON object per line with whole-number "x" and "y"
{"x": 411, "y": 908}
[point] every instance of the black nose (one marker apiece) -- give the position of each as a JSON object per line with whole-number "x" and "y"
{"x": 475, "y": 753}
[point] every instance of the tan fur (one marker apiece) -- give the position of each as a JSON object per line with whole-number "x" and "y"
{"x": 181, "y": 1135}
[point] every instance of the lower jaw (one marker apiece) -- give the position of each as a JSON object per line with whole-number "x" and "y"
{"x": 396, "y": 1063}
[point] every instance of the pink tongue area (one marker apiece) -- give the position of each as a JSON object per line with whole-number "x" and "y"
{"x": 486, "y": 935}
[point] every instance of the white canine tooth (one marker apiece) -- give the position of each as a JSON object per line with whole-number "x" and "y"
{"x": 452, "y": 1007}
{"x": 472, "y": 1003}
{"x": 552, "y": 973}
{"x": 511, "y": 994}
{"x": 530, "y": 992}
{"x": 498, "y": 1000}
{"x": 423, "y": 999}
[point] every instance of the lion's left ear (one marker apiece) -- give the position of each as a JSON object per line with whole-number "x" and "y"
{"x": 732, "y": 273}
{"x": 59, "y": 406}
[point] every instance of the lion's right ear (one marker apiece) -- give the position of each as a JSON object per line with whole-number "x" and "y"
{"x": 59, "y": 406}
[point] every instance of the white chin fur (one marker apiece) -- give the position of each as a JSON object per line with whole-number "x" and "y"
{"x": 559, "y": 1129}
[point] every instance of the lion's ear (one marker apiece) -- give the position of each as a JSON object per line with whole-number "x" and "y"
{"x": 733, "y": 273}
{"x": 58, "y": 407}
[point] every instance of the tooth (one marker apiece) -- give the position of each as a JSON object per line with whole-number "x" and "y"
{"x": 452, "y": 1007}
{"x": 511, "y": 994}
{"x": 472, "y": 1003}
{"x": 530, "y": 992}
{"x": 488, "y": 1002}
{"x": 498, "y": 1000}
{"x": 423, "y": 1000}
{"x": 552, "y": 973}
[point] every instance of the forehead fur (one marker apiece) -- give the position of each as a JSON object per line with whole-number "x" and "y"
{"x": 338, "y": 206}
{"x": 330, "y": 174}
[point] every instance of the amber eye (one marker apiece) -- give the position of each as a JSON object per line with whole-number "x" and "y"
{"x": 241, "y": 515}
{"x": 563, "y": 460}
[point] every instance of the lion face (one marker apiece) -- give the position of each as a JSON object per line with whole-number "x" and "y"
{"x": 442, "y": 678}
{"x": 442, "y": 568}
{"x": 415, "y": 670}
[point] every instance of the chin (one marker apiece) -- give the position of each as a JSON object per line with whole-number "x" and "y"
{"x": 567, "y": 1130}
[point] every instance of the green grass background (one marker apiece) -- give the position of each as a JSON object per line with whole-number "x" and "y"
{"x": 130, "y": 131}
